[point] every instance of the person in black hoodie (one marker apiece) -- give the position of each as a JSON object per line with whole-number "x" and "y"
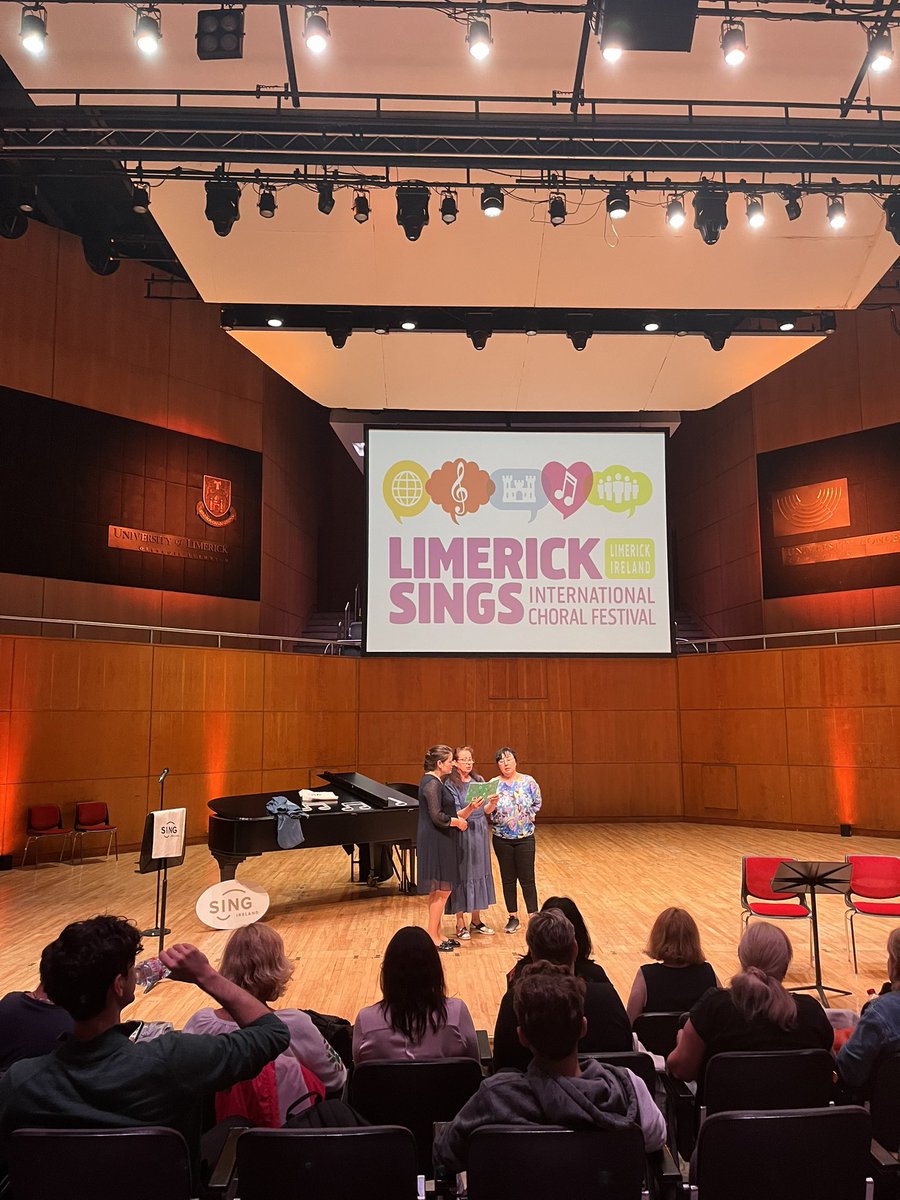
{"x": 551, "y": 938}
{"x": 556, "y": 1089}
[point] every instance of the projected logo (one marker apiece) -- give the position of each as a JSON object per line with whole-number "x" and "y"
{"x": 404, "y": 489}
{"x": 460, "y": 487}
{"x": 518, "y": 489}
{"x": 620, "y": 489}
{"x": 567, "y": 488}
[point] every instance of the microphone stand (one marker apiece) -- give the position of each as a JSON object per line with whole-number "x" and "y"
{"x": 162, "y": 884}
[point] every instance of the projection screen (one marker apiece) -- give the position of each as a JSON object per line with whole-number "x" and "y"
{"x": 516, "y": 543}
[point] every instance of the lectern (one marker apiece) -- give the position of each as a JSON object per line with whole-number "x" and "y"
{"x": 814, "y": 877}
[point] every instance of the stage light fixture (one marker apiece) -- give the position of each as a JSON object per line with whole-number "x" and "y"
{"x": 27, "y": 200}
{"x": 478, "y": 335}
{"x": 836, "y": 213}
{"x": 407, "y": 323}
{"x": 578, "y": 332}
{"x": 266, "y": 203}
{"x": 412, "y": 209}
{"x": 531, "y": 331}
{"x": 338, "y": 335}
{"x": 733, "y": 41}
{"x": 786, "y": 325}
{"x": 325, "y": 203}
{"x": 892, "y": 216}
{"x": 275, "y": 322}
{"x": 140, "y": 199}
{"x": 612, "y": 53}
{"x": 449, "y": 207}
{"x": 716, "y": 338}
{"x": 492, "y": 200}
{"x": 220, "y": 33}
{"x": 33, "y": 29}
{"x": 613, "y": 40}
{"x": 675, "y": 215}
{"x": 556, "y": 209}
{"x": 618, "y": 203}
{"x": 651, "y": 324}
{"x": 881, "y": 51}
{"x": 710, "y": 212}
{"x": 478, "y": 35}
{"x": 792, "y": 202}
{"x": 756, "y": 213}
{"x": 13, "y": 224}
{"x": 148, "y": 29}
{"x": 361, "y": 207}
{"x": 315, "y": 30}
{"x": 223, "y": 198}
{"x": 382, "y": 329}
{"x": 99, "y": 255}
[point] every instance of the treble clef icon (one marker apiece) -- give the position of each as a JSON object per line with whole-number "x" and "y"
{"x": 458, "y": 493}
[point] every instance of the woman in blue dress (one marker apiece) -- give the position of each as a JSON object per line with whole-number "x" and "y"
{"x": 475, "y": 889}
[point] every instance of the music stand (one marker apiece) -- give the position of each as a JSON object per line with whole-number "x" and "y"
{"x": 813, "y": 877}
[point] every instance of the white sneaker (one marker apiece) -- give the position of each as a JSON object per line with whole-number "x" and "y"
{"x": 463, "y": 934}
{"x": 483, "y": 929}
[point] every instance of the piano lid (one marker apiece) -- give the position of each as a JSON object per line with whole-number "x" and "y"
{"x": 352, "y": 790}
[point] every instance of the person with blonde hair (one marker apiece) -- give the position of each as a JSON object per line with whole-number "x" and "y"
{"x": 255, "y": 960}
{"x": 681, "y": 974}
{"x": 878, "y": 1033}
{"x": 755, "y": 1013}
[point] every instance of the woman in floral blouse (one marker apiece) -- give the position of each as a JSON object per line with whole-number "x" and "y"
{"x": 512, "y": 813}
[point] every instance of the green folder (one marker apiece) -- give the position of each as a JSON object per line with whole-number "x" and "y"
{"x": 481, "y": 791}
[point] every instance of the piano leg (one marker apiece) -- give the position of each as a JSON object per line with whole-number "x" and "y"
{"x": 228, "y": 863}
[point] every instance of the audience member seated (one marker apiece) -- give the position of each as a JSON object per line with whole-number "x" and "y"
{"x": 754, "y": 1013}
{"x": 30, "y": 1023}
{"x": 415, "y": 1019}
{"x": 585, "y": 967}
{"x": 549, "y": 1004}
{"x": 254, "y": 959}
{"x": 878, "y": 1033}
{"x": 680, "y": 976}
{"x": 551, "y": 938}
{"x": 97, "y": 1077}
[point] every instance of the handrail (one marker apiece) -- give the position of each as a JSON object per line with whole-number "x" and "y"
{"x": 766, "y": 638}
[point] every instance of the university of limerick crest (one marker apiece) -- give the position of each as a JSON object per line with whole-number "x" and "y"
{"x": 216, "y": 508}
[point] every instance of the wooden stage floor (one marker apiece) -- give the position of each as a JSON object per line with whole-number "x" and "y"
{"x": 621, "y": 875}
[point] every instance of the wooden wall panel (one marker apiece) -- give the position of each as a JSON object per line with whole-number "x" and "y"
{"x": 414, "y": 685}
{"x": 628, "y": 790}
{"x": 126, "y": 799}
{"x": 52, "y": 676}
{"x": 27, "y": 311}
{"x": 194, "y": 680}
{"x": 863, "y": 796}
{"x": 535, "y": 736}
{"x": 623, "y": 683}
{"x": 300, "y": 739}
{"x": 383, "y": 737}
{"x": 746, "y": 680}
{"x": 63, "y": 745}
{"x": 844, "y": 737}
{"x": 306, "y": 682}
{"x": 710, "y": 789}
{"x": 846, "y": 676}
{"x": 193, "y": 792}
{"x": 211, "y": 742}
{"x": 751, "y": 735}
{"x": 625, "y": 737}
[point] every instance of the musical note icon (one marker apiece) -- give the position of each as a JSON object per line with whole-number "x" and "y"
{"x": 458, "y": 493}
{"x": 567, "y": 492}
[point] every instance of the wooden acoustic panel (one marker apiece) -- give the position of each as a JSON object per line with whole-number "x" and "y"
{"x": 391, "y": 685}
{"x": 209, "y": 742}
{"x": 535, "y": 736}
{"x": 52, "y": 676}
{"x": 52, "y": 746}
{"x": 310, "y": 683}
{"x": 737, "y": 681}
{"x": 625, "y": 737}
{"x": 629, "y": 684}
{"x": 754, "y": 735}
{"x": 844, "y": 737}
{"x": 627, "y": 790}
{"x": 389, "y": 738}
{"x": 199, "y": 680}
{"x": 194, "y": 791}
{"x": 843, "y": 676}
{"x": 297, "y": 739}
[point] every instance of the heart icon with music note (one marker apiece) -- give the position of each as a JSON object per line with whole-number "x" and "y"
{"x": 567, "y": 488}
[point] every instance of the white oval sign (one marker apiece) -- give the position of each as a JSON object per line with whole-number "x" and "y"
{"x": 230, "y": 904}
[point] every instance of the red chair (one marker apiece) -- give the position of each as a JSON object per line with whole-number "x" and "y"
{"x": 45, "y": 820}
{"x": 92, "y": 816}
{"x": 876, "y": 879}
{"x": 758, "y": 899}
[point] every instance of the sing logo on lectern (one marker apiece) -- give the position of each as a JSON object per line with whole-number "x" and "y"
{"x": 230, "y": 904}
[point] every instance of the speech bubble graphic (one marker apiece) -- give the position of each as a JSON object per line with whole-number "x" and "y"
{"x": 620, "y": 489}
{"x": 567, "y": 488}
{"x": 518, "y": 488}
{"x": 404, "y": 489}
{"x": 460, "y": 487}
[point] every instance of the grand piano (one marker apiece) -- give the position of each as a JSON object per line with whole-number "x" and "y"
{"x": 367, "y": 814}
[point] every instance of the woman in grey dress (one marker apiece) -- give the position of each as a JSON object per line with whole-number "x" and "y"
{"x": 475, "y": 889}
{"x": 438, "y": 831}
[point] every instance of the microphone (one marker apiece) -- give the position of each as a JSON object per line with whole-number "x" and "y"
{"x": 164, "y": 774}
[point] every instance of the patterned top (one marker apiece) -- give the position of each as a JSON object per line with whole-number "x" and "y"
{"x": 517, "y": 806}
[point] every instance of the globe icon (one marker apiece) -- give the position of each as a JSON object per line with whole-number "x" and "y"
{"x": 406, "y": 489}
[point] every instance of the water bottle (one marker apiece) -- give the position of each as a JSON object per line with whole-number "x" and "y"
{"x": 149, "y": 973}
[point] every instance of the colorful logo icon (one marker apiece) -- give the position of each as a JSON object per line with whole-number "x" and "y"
{"x": 460, "y": 487}
{"x": 518, "y": 488}
{"x": 567, "y": 488}
{"x": 404, "y": 489}
{"x": 620, "y": 489}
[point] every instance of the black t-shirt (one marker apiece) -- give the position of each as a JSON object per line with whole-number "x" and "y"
{"x": 585, "y": 968}
{"x": 29, "y": 1028}
{"x": 723, "y": 1028}
{"x": 608, "y": 1027}
{"x": 676, "y": 989}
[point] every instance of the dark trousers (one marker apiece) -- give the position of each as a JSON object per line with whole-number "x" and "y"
{"x": 516, "y": 859}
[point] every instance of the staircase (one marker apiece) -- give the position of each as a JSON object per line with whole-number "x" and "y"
{"x": 324, "y": 627}
{"x": 689, "y": 629}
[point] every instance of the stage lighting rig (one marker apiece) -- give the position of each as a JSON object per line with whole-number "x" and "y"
{"x": 223, "y": 198}
{"x": 412, "y": 209}
{"x": 710, "y": 212}
{"x": 148, "y": 29}
{"x": 492, "y": 200}
{"x": 33, "y": 29}
{"x": 325, "y": 202}
{"x": 220, "y": 33}
{"x": 361, "y": 207}
{"x": 733, "y": 41}
{"x": 315, "y": 30}
{"x": 556, "y": 209}
{"x": 478, "y": 35}
{"x": 449, "y": 207}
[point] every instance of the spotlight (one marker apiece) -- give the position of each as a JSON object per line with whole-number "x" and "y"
{"x": 892, "y": 216}
{"x": 99, "y": 255}
{"x": 881, "y": 52}
{"x": 531, "y": 330}
{"x": 478, "y": 335}
{"x": 612, "y": 52}
{"x": 408, "y": 323}
{"x": 651, "y": 324}
{"x": 710, "y": 212}
{"x": 613, "y": 40}
{"x": 361, "y": 208}
{"x": 792, "y": 204}
{"x": 449, "y": 207}
{"x": 223, "y": 197}
{"x": 478, "y": 35}
{"x": 275, "y": 322}
{"x": 383, "y": 328}
{"x": 675, "y": 216}
{"x": 148, "y": 29}
{"x": 579, "y": 332}
{"x": 13, "y": 225}
{"x": 33, "y": 30}
{"x": 733, "y": 41}
{"x": 618, "y": 203}
{"x": 266, "y": 203}
{"x": 716, "y": 338}
{"x": 27, "y": 200}
{"x": 756, "y": 214}
{"x": 836, "y": 213}
{"x": 338, "y": 335}
{"x": 492, "y": 200}
{"x": 786, "y": 325}
{"x": 315, "y": 30}
{"x": 140, "y": 199}
{"x": 412, "y": 209}
{"x": 220, "y": 33}
{"x": 556, "y": 209}
{"x": 325, "y": 202}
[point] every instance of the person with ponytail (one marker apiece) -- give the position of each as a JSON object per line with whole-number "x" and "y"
{"x": 755, "y": 1013}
